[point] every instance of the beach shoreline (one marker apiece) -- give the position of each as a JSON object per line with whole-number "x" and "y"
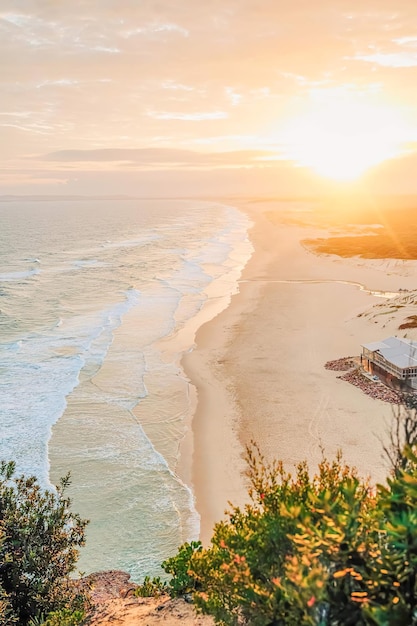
{"x": 258, "y": 366}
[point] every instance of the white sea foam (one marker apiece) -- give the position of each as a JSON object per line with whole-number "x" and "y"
{"x": 13, "y": 276}
{"x": 40, "y": 364}
{"x": 80, "y": 358}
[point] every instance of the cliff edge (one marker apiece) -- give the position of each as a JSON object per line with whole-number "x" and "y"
{"x": 114, "y": 604}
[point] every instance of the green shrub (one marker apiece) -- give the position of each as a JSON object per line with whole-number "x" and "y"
{"x": 324, "y": 550}
{"x": 151, "y": 587}
{"x": 393, "y": 568}
{"x": 64, "y": 617}
{"x": 182, "y": 582}
{"x": 255, "y": 570}
{"x": 38, "y": 548}
{"x": 7, "y": 616}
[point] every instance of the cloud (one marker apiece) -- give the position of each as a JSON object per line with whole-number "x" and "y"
{"x": 152, "y": 157}
{"x": 151, "y": 29}
{"x": 234, "y": 97}
{"x": 122, "y": 74}
{"x": 397, "y": 59}
{"x": 400, "y": 52}
{"x": 193, "y": 117}
{"x": 170, "y": 84}
{"x": 391, "y": 52}
{"x": 277, "y": 180}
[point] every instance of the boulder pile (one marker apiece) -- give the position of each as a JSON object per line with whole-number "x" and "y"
{"x": 341, "y": 365}
{"x": 354, "y": 375}
{"x": 372, "y": 388}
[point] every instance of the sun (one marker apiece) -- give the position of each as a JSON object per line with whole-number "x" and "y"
{"x": 340, "y": 138}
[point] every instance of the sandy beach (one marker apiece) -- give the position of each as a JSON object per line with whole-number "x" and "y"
{"x": 258, "y": 366}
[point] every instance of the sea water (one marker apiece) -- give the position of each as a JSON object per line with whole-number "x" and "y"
{"x": 98, "y": 302}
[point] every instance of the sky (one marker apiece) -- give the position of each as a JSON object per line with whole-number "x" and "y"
{"x": 192, "y": 97}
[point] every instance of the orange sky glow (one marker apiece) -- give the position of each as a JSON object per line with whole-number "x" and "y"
{"x": 216, "y": 97}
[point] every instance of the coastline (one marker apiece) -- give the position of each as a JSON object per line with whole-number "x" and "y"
{"x": 258, "y": 366}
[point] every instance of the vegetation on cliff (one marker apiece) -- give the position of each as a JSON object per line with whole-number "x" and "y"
{"x": 327, "y": 549}
{"x": 39, "y": 541}
{"x": 323, "y": 549}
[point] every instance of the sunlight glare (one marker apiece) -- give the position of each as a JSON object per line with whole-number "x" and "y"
{"x": 342, "y": 139}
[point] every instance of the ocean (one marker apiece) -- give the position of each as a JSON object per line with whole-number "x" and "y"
{"x": 99, "y": 300}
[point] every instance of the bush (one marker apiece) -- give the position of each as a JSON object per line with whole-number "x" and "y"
{"x": 321, "y": 550}
{"x": 151, "y": 588}
{"x": 64, "y": 617}
{"x": 393, "y": 568}
{"x": 182, "y": 582}
{"x": 38, "y": 548}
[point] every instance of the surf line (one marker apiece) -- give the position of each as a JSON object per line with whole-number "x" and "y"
{"x": 373, "y": 292}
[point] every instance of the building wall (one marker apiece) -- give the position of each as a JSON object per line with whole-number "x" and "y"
{"x": 390, "y": 375}
{"x": 389, "y": 379}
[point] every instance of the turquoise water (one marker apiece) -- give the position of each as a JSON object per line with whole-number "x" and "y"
{"x": 95, "y": 301}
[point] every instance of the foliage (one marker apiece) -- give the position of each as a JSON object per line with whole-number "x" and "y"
{"x": 151, "y": 587}
{"x": 326, "y": 550}
{"x": 182, "y": 582}
{"x": 410, "y": 401}
{"x": 402, "y": 433}
{"x": 393, "y": 571}
{"x": 38, "y": 548}
{"x": 63, "y": 617}
{"x": 7, "y": 616}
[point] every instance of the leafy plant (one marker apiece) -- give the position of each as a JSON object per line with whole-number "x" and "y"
{"x": 255, "y": 570}
{"x": 39, "y": 548}
{"x": 393, "y": 570}
{"x": 151, "y": 587}
{"x": 321, "y": 550}
{"x": 402, "y": 434}
{"x": 182, "y": 582}
{"x": 64, "y": 617}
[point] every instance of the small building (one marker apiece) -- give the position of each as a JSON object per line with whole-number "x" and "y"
{"x": 394, "y": 360}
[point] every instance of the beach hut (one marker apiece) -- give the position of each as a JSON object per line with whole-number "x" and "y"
{"x": 394, "y": 360}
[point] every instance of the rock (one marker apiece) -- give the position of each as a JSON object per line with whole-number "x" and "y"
{"x": 372, "y": 388}
{"x": 103, "y": 586}
{"x": 341, "y": 365}
{"x": 354, "y": 376}
{"x": 113, "y": 603}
